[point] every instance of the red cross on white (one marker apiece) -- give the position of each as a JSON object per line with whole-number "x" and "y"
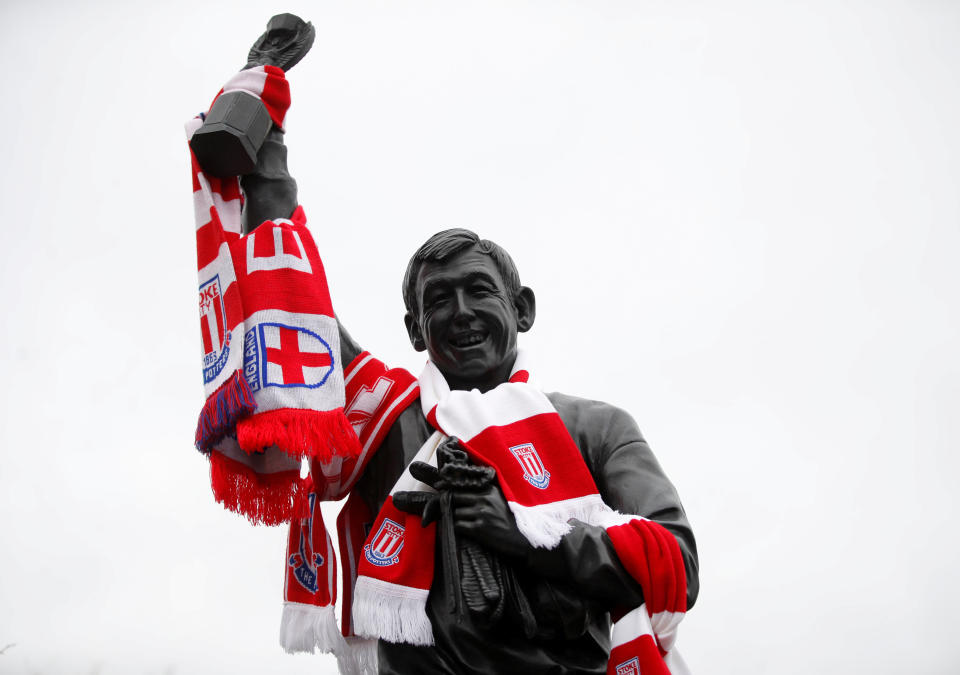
{"x": 295, "y": 356}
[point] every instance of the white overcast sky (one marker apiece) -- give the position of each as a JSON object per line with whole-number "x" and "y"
{"x": 741, "y": 220}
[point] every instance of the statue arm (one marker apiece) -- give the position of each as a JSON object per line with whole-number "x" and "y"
{"x": 270, "y": 192}
{"x": 631, "y": 481}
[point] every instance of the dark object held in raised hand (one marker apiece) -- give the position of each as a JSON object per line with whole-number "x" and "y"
{"x": 236, "y": 126}
{"x": 478, "y": 578}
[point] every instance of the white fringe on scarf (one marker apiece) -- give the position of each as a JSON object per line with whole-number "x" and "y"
{"x": 359, "y": 657}
{"x": 392, "y": 612}
{"x": 304, "y": 628}
{"x": 544, "y": 525}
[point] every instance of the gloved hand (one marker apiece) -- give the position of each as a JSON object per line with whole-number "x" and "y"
{"x": 469, "y": 502}
{"x": 479, "y": 509}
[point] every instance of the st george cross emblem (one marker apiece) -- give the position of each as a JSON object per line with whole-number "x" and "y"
{"x": 631, "y": 667}
{"x": 533, "y": 470}
{"x": 293, "y": 356}
{"x": 305, "y": 562}
{"x": 213, "y": 329}
{"x": 384, "y": 548}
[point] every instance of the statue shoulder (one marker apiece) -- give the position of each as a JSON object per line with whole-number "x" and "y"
{"x": 586, "y": 410}
{"x": 598, "y": 428}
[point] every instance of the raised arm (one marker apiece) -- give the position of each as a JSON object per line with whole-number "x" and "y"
{"x": 269, "y": 191}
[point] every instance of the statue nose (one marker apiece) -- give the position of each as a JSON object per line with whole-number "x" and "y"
{"x": 461, "y": 307}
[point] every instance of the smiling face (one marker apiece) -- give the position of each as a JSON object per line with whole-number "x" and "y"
{"x": 467, "y": 319}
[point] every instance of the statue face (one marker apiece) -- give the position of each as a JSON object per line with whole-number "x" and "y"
{"x": 468, "y": 321}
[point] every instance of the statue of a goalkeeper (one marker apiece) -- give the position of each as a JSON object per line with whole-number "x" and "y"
{"x": 489, "y": 527}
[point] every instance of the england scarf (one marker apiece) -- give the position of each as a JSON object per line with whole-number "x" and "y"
{"x": 270, "y": 344}
{"x": 516, "y": 430}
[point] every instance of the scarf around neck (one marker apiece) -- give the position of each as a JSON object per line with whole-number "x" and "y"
{"x": 514, "y": 429}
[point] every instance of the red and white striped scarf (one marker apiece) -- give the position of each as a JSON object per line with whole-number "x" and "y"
{"x": 376, "y": 396}
{"x": 516, "y": 430}
{"x": 270, "y": 343}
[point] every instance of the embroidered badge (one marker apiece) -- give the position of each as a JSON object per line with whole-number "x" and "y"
{"x": 533, "y": 470}
{"x": 631, "y": 667}
{"x": 384, "y": 548}
{"x": 213, "y": 329}
{"x": 290, "y": 357}
{"x": 305, "y": 562}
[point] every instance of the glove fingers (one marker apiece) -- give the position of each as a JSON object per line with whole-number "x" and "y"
{"x": 411, "y": 502}
{"x": 425, "y": 473}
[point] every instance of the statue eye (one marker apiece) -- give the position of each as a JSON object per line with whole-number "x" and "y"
{"x": 435, "y": 299}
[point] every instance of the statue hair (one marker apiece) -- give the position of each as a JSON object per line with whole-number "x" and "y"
{"x": 447, "y": 244}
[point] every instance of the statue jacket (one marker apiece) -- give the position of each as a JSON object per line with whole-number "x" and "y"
{"x": 571, "y": 589}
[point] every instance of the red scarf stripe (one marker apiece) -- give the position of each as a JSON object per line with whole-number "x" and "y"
{"x": 310, "y": 555}
{"x": 290, "y": 289}
{"x": 658, "y": 569}
{"x": 350, "y": 532}
{"x": 432, "y": 418}
{"x": 269, "y": 84}
{"x": 415, "y": 541}
{"x": 210, "y": 241}
{"x": 492, "y": 448}
{"x": 276, "y": 94}
{"x": 357, "y": 365}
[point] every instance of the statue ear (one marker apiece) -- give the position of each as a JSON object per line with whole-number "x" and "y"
{"x": 414, "y": 332}
{"x": 526, "y": 304}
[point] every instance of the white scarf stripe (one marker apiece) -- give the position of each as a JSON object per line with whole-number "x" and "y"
{"x": 470, "y": 412}
{"x": 428, "y": 454}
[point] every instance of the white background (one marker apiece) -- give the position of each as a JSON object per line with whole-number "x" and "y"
{"x": 742, "y": 221}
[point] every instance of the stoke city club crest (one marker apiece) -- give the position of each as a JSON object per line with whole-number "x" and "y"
{"x": 384, "y": 548}
{"x": 631, "y": 667}
{"x": 533, "y": 470}
{"x": 213, "y": 329}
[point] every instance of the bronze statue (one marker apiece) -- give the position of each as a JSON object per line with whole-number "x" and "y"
{"x": 497, "y": 604}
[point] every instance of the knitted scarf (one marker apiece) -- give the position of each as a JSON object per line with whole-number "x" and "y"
{"x": 270, "y": 344}
{"x": 515, "y": 430}
{"x": 376, "y": 395}
{"x": 279, "y": 399}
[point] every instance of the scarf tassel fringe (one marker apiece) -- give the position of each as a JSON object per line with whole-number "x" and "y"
{"x": 263, "y": 499}
{"x": 359, "y": 657}
{"x": 310, "y": 434}
{"x": 304, "y": 628}
{"x": 545, "y": 525}
{"x": 380, "y": 611}
{"x": 230, "y": 403}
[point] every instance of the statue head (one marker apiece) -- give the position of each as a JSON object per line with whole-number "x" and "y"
{"x": 465, "y": 306}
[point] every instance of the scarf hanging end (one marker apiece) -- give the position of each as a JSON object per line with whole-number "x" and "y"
{"x": 544, "y": 525}
{"x": 310, "y": 434}
{"x": 304, "y": 628}
{"x": 264, "y": 499}
{"x": 230, "y": 403}
{"x": 358, "y": 657}
{"x": 391, "y": 612}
